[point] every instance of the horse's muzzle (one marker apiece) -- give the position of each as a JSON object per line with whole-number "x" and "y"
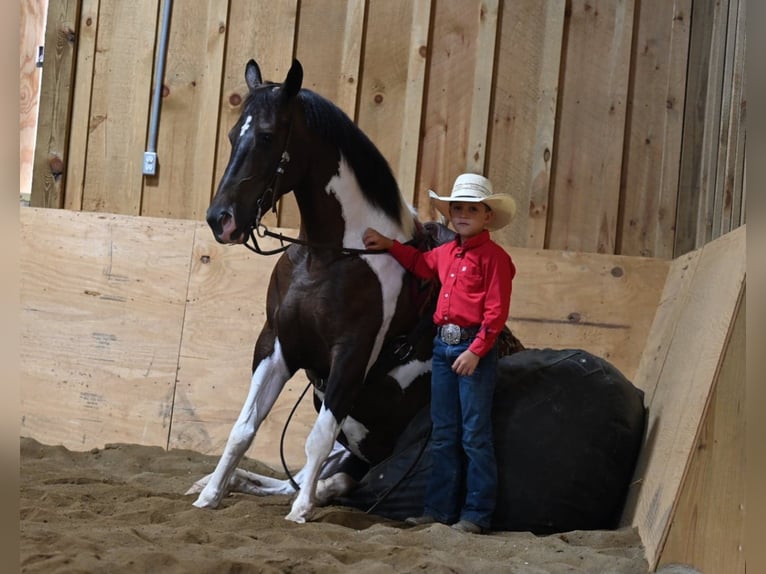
{"x": 224, "y": 226}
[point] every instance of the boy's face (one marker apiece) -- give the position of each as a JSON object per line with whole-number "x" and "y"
{"x": 469, "y": 218}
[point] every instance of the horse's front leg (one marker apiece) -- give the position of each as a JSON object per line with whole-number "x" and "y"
{"x": 267, "y": 382}
{"x": 318, "y": 447}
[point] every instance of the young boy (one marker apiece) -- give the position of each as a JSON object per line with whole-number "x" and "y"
{"x": 476, "y": 276}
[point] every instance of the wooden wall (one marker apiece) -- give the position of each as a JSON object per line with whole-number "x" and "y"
{"x": 616, "y": 124}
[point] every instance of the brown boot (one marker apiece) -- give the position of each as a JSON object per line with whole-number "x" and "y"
{"x": 420, "y": 520}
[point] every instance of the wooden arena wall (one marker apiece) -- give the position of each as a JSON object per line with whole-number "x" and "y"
{"x": 140, "y": 330}
{"x": 618, "y": 125}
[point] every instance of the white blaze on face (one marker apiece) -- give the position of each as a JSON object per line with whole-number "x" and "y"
{"x": 245, "y": 126}
{"x": 358, "y": 215}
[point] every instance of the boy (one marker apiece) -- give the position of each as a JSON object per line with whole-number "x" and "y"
{"x": 476, "y": 276}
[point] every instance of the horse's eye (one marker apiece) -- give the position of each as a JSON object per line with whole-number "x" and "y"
{"x": 265, "y": 137}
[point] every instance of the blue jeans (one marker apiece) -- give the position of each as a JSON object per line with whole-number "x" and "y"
{"x": 463, "y": 481}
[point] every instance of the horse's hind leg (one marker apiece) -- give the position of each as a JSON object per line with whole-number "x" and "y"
{"x": 267, "y": 382}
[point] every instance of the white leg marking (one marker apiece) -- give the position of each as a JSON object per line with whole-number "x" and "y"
{"x": 268, "y": 380}
{"x": 318, "y": 447}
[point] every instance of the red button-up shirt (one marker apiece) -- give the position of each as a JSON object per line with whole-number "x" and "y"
{"x": 475, "y": 278}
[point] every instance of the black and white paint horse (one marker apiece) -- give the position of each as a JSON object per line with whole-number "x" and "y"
{"x": 331, "y": 310}
{"x": 567, "y": 425}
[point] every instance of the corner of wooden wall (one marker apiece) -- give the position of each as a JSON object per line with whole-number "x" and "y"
{"x": 688, "y": 486}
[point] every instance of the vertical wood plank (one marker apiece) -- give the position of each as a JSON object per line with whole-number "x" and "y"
{"x": 83, "y": 89}
{"x": 270, "y": 44}
{"x": 654, "y": 129}
{"x": 188, "y": 126}
{"x": 32, "y": 34}
{"x": 731, "y": 154}
{"x": 701, "y": 119}
{"x": 524, "y": 114}
{"x": 48, "y": 178}
{"x": 119, "y": 111}
{"x": 456, "y": 113}
{"x": 711, "y": 505}
{"x": 593, "y": 96}
{"x": 727, "y": 128}
{"x": 391, "y": 90}
{"x": 329, "y": 68}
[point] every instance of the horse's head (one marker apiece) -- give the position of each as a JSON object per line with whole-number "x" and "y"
{"x": 250, "y": 185}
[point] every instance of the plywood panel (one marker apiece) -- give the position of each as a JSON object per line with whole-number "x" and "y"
{"x": 590, "y": 129}
{"x": 271, "y": 46}
{"x": 119, "y": 109}
{"x": 689, "y": 367}
{"x": 655, "y": 126}
{"x": 102, "y": 306}
{"x": 48, "y": 178}
{"x": 524, "y": 114}
{"x": 32, "y": 34}
{"x": 186, "y": 142}
{"x": 456, "y": 112}
{"x": 225, "y": 312}
{"x": 391, "y": 91}
{"x": 330, "y": 68}
{"x": 602, "y": 304}
{"x": 711, "y": 506}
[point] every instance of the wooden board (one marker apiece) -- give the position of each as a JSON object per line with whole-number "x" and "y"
{"x": 119, "y": 110}
{"x": 102, "y": 306}
{"x": 191, "y": 93}
{"x": 81, "y": 99}
{"x": 392, "y": 87}
{"x": 655, "y": 126}
{"x": 48, "y": 178}
{"x": 456, "y": 116}
{"x": 342, "y": 20}
{"x": 31, "y": 35}
{"x": 575, "y": 300}
{"x": 524, "y": 114}
{"x": 711, "y": 505}
{"x": 590, "y": 129}
{"x": 686, "y": 358}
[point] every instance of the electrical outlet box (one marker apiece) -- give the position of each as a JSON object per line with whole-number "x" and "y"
{"x": 150, "y": 163}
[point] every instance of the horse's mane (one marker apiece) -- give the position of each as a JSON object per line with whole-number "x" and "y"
{"x": 372, "y": 170}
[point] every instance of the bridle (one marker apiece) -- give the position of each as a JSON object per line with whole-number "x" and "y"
{"x": 270, "y": 196}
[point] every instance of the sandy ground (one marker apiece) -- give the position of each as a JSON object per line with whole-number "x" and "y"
{"x": 122, "y": 509}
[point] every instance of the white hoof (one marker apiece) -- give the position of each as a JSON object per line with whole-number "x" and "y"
{"x": 199, "y": 485}
{"x": 208, "y": 499}
{"x": 300, "y": 513}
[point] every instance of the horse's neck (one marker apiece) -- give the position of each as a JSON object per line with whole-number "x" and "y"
{"x": 354, "y": 216}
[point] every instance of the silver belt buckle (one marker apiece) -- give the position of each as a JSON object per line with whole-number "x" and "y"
{"x": 451, "y": 334}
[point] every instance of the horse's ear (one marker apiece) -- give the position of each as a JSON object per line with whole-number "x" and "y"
{"x": 293, "y": 81}
{"x": 253, "y": 75}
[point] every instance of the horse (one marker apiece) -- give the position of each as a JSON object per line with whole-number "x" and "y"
{"x": 352, "y": 319}
{"x": 567, "y": 425}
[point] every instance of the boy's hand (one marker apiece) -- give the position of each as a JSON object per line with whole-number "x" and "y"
{"x": 466, "y": 363}
{"x": 374, "y": 240}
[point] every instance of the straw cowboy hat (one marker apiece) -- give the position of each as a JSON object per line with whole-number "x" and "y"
{"x": 471, "y": 187}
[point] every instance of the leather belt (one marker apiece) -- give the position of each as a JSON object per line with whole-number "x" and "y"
{"x": 453, "y": 334}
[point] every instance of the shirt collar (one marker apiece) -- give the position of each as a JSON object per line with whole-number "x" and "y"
{"x": 474, "y": 241}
